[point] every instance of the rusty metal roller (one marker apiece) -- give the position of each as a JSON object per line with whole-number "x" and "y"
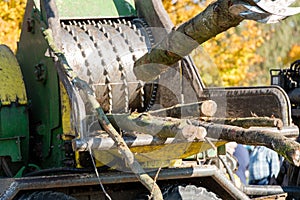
{"x": 103, "y": 53}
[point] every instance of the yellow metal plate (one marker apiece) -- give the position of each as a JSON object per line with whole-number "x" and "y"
{"x": 12, "y": 88}
{"x": 158, "y": 155}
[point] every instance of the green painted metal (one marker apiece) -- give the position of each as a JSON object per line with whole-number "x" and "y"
{"x": 93, "y": 9}
{"x": 43, "y": 91}
{"x": 14, "y": 133}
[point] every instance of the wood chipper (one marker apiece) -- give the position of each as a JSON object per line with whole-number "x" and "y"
{"x": 78, "y": 122}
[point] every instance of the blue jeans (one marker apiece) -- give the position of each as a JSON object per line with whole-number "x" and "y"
{"x": 263, "y": 181}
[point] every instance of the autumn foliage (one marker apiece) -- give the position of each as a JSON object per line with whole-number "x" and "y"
{"x": 11, "y": 17}
{"x": 241, "y": 56}
{"x": 225, "y": 59}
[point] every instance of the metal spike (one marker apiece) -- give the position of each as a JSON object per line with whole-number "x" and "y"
{"x": 107, "y": 35}
{"x": 142, "y": 39}
{"x": 114, "y": 48}
{"x": 142, "y": 100}
{"x": 105, "y": 94}
{"x": 107, "y": 80}
{"x": 139, "y": 33}
{"x": 90, "y": 81}
{"x": 103, "y": 30}
{"x": 131, "y": 51}
{"x": 84, "y": 28}
{"x": 119, "y": 29}
{"x": 76, "y": 39}
{"x": 134, "y": 58}
{"x": 129, "y": 24}
{"x": 115, "y": 25}
{"x": 110, "y": 106}
{"x": 99, "y": 25}
{"x": 134, "y": 27}
{"x": 94, "y": 40}
{"x": 140, "y": 85}
{"x": 109, "y": 88}
{"x": 151, "y": 40}
{"x": 72, "y": 33}
{"x": 68, "y": 28}
{"x": 89, "y": 33}
{"x": 123, "y": 76}
{"x": 88, "y": 72}
{"x": 118, "y": 59}
{"x": 121, "y": 67}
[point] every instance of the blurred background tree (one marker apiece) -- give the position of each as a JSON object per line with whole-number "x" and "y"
{"x": 239, "y": 57}
{"x": 243, "y": 55}
{"x": 281, "y": 46}
{"x": 11, "y": 17}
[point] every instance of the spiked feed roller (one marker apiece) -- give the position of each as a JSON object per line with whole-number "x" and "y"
{"x": 103, "y": 53}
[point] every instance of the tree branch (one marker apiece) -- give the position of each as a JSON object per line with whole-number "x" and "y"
{"x": 215, "y": 19}
{"x": 194, "y": 129}
{"x": 246, "y": 122}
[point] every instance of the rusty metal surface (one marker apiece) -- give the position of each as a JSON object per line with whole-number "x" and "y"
{"x": 10, "y": 187}
{"x": 244, "y": 102}
{"x": 273, "y": 197}
{"x": 63, "y": 181}
{"x": 266, "y": 190}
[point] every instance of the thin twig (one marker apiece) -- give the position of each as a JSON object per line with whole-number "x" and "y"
{"x": 155, "y": 178}
{"x": 97, "y": 174}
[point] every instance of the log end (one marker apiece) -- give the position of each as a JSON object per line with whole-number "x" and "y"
{"x": 190, "y": 132}
{"x": 208, "y": 108}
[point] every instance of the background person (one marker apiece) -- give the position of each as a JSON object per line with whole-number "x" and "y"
{"x": 264, "y": 164}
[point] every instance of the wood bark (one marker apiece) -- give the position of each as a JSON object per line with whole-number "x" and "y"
{"x": 284, "y": 146}
{"x": 173, "y": 127}
{"x": 246, "y": 122}
{"x": 161, "y": 127}
{"x": 215, "y": 19}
